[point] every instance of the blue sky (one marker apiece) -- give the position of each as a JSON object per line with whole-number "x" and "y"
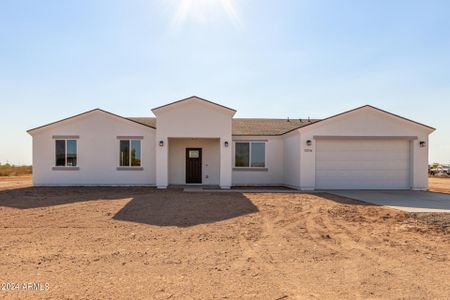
{"x": 264, "y": 58}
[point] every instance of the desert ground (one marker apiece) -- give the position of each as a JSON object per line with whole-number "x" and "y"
{"x": 439, "y": 184}
{"x": 143, "y": 243}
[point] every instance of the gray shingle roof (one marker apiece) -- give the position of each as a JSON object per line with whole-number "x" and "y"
{"x": 146, "y": 121}
{"x": 267, "y": 126}
{"x": 250, "y": 127}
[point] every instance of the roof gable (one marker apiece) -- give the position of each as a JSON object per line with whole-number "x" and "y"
{"x": 369, "y": 108}
{"x": 96, "y": 110}
{"x": 193, "y": 99}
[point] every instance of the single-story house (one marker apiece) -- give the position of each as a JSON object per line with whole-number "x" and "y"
{"x": 199, "y": 142}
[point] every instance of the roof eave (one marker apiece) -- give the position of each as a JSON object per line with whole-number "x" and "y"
{"x": 30, "y": 131}
{"x": 431, "y": 129}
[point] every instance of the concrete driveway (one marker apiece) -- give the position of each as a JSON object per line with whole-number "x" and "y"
{"x": 410, "y": 201}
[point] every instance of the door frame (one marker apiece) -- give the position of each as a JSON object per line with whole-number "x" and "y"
{"x": 186, "y": 156}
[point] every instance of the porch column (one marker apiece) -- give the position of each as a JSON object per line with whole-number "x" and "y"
{"x": 225, "y": 163}
{"x": 162, "y": 162}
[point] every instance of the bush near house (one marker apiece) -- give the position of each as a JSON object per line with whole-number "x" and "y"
{"x": 12, "y": 170}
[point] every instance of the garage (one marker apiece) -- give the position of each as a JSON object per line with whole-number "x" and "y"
{"x": 363, "y": 163}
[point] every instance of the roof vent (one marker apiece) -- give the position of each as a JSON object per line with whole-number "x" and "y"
{"x": 309, "y": 119}
{"x": 288, "y": 119}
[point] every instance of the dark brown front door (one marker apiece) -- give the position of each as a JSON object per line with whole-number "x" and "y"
{"x": 193, "y": 165}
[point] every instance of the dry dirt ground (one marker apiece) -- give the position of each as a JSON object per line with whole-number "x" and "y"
{"x": 439, "y": 184}
{"x": 14, "y": 182}
{"x": 141, "y": 243}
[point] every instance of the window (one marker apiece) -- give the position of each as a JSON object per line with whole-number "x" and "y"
{"x": 250, "y": 154}
{"x": 258, "y": 155}
{"x": 194, "y": 154}
{"x": 242, "y": 155}
{"x": 130, "y": 153}
{"x": 66, "y": 153}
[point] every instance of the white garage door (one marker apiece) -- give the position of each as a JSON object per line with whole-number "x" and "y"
{"x": 362, "y": 164}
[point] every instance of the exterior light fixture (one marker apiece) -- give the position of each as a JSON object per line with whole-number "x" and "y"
{"x": 161, "y": 143}
{"x": 308, "y": 143}
{"x": 422, "y": 144}
{"x": 226, "y": 143}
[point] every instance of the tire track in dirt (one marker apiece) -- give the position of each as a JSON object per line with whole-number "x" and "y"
{"x": 366, "y": 248}
{"x": 278, "y": 224}
{"x": 361, "y": 263}
{"x": 337, "y": 240}
{"x": 261, "y": 250}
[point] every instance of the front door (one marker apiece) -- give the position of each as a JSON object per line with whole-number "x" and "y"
{"x": 193, "y": 165}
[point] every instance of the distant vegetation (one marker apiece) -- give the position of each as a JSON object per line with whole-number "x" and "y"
{"x": 12, "y": 170}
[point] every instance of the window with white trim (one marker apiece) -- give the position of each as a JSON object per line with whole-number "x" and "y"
{"x": 130, "y": 153}
{"x": 66, "y": 153}
{"x": 250, "y": 154}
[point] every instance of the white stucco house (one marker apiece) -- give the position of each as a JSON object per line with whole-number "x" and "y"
{"x": 196, "y": 141}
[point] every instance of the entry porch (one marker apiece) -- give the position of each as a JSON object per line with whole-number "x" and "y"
{"x": 194, "y": 161}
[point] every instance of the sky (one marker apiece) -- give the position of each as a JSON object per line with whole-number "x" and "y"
{"x": 273, "y": 59}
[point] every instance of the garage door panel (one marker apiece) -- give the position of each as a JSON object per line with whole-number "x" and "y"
{"x": 355, "y": 174}
{"x": 361, "y": 184}
{"x": 361, "y": 181}
{"x": 362, "y": 155}
{"x": 362, "y": 164}
{"x": 357, "y": 145}
{"x": 352, "y": 165}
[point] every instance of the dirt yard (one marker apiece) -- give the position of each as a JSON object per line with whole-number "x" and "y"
{"x": 136, "y": 243}
{"x": 14, "y": 182}
{"x": 439, "y": 184}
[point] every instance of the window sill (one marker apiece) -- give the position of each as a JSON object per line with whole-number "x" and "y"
{"x": 66, "y": 168}
{"x": 130, "y": 169}
{"x": 251, "y": 169}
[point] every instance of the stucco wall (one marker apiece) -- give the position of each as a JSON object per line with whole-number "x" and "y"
{"x": 274, "y": 174}
{"x": 292, "y": 160}
{"x": 365, "y": 122}
{"x": 98, "y": 152}
{"x": 193, "y": 118}
{"x": 210, "y": 160}
{"x": 289, "y": 160}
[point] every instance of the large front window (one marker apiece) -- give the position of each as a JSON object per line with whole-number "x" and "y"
{"x": 130, "y": 153}
{"x": 66, "y": 153}
{"x": 250, "y": 155}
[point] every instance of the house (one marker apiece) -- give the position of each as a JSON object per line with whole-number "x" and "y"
{"x": 196, "y": 141}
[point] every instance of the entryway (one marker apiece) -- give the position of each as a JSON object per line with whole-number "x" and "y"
{"x": 194, "y": 161}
